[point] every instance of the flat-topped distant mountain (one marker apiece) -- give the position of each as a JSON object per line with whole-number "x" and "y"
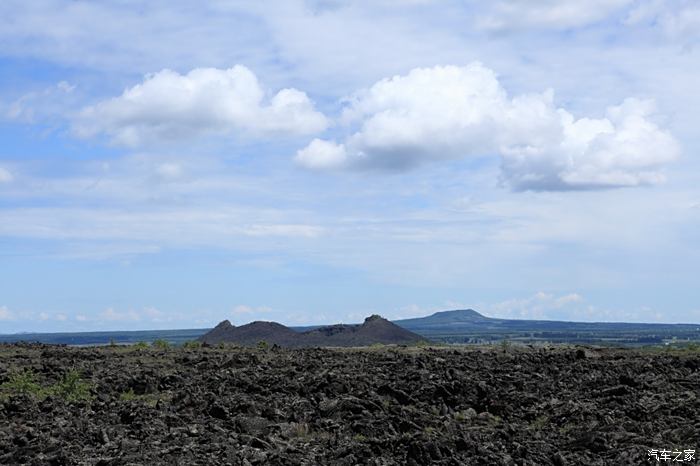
{"x": 459, "y": 316}
{"x": 469, "y": 326}
{"x": 375, "y": 329}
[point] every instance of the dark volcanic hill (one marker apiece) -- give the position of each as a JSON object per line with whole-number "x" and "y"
{"x": 375, "y": 329}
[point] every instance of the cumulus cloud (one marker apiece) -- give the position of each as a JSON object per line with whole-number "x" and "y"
{"x": 5, "y": 175}
{"x": 554, "y": 14}
{"x": 168, "y": 105}
{"x": 323, "y": 155}
{"x": 449, "y": 112}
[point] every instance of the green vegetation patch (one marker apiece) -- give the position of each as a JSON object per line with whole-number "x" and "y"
{"x": 22, "y": 382}
{"x": 193, "y": 344}
{"x": 71, "y": 387}
{"x": 160, "y": 344}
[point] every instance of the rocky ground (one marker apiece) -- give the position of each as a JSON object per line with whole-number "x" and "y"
{"x": 378, "y": 406}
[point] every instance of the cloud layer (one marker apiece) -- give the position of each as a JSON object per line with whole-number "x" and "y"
{"x": 450, "y": 112}
{"x": 555, "y": 14}
{"x": 205, "y": 101}
{"x": 5, "y": 175}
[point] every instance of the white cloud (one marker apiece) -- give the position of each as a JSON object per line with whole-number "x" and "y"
{"x": 168, "y": 105}
{"x": 571, "y": 307}
{"x": 5, "y": 175}
{"x": 5, "y": 313}
{"x": 51, "y": 102}
{"x": 539, "y": 306}
{"x": 677, "y": 19}
{"x": 322, "y": 155}
{"x": 169, "y": 170}
{"x": 194, "y": 225}
{"x": 503, "y": 15}
{"x": 245, "y": 309}
{"x": 449, "y": 112}
{"x": 116, "y": 316}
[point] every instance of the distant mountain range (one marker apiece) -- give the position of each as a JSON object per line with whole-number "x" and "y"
{"x": 469, "y": 326}
{"x": 373, "y": 330}
{"x": 455, "y": 326}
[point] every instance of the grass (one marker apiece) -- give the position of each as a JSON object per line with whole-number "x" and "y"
{"x": 149, "y": 399}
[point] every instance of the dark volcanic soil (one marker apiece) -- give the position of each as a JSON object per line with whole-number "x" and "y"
{"x": 387, "y": 406}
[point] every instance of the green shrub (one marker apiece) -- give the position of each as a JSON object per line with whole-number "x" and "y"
{"x": 505, "y": 345}
{"x": 141, "y": 345}
{"x": 72, "y": 387}
{"x": 263, "y": 345}
{"x": 160, "y": 344}
{"x": 128, "y": 395}
{"x": 194, "y": 344}
{"x": 22, "y": 383}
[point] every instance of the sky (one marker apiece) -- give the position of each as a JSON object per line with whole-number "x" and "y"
{"x": 170, "y": 164}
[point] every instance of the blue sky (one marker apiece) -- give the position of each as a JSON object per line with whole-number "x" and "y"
{"x": 171, "y": 165}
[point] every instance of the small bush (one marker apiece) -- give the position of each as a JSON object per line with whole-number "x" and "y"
{"x": 72, "y": 387}
{"x": 505, "y": 345}
{"x": 191, "y": 344}
{"x": 263, "y": 345}
{"x": 300, "y": 430}
{"x": 141, "y": 345}
{"x": 22, "y": 383}
{"x": 160, "y": 344}
{"x": 128, "y": 395}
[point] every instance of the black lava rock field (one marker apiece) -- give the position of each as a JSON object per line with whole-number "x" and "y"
{"x": 375, "y": 406}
